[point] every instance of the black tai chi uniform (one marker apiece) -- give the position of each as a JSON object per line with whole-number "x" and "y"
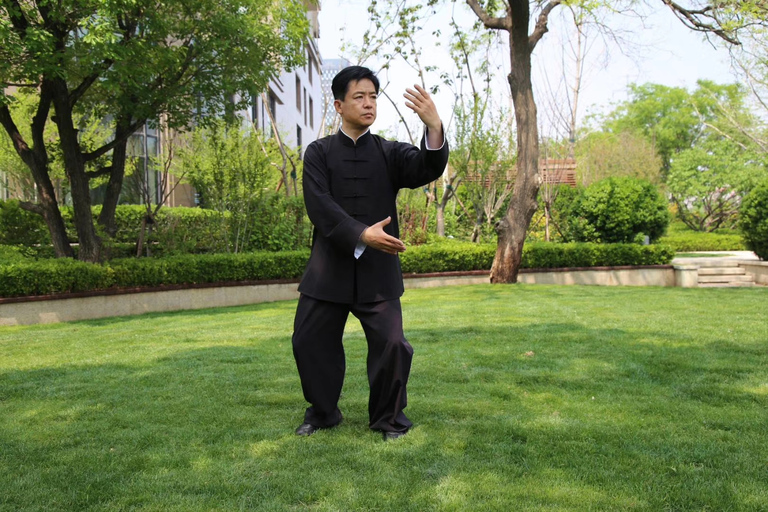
{"x": 349, "y": 186}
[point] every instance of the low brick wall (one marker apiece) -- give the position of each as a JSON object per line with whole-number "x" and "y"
{"x": 110, "y": 303}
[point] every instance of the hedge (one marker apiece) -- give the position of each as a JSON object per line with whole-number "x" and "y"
{"x": 53, "y": 276}
{"x": 64, "y": 275}
{"x": 688, "y": 242}
{"x": 209, "y": 268}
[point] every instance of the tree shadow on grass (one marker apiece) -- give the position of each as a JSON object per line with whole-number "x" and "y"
{"x": 496, "y": 428}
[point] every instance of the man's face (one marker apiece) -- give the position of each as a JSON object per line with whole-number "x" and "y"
{"x": 358, "y": 109}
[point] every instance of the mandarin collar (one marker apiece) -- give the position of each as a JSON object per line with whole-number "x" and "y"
{"x": 350, "y": 142}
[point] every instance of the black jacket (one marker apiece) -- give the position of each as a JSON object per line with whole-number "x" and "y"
{"x": 348, "y": 187}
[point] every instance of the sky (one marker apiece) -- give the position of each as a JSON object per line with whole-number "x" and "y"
{"x": 657, "y": 49}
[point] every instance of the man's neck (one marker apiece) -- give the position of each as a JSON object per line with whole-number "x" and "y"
{"x": 352, "y": 133}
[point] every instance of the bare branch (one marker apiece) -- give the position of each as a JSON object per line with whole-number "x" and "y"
{"x": 488, "y": 21}
{"x": 99, "y": 172}
{"x": 19, "y": 144}
{"x": 106, "y": 148}
{"x": 541, "y": 23}
{"x": 31, "y": 207}
{"x": 16, "y": 15}
{"x": 410, "y": 135}
{"x": 694, "y": 19}
{"x": 81, "y": 89}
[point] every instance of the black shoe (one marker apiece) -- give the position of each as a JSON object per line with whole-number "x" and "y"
{"x": 390, "y": 436}
{"x": 306, "y": 429}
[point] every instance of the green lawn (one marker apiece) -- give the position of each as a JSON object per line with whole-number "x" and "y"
{"x": 524, "y": 398}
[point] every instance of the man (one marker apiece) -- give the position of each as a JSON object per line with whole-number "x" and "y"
{"x": 351, "y": 180}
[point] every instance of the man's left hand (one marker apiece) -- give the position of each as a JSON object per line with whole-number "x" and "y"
{"x": 421, "y": 102}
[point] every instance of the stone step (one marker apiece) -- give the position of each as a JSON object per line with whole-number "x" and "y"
{"x": 726, "y": 279}
{"x": 722, "y": 271}
{"x": 744, "y": 284}
{"x": 716, "y": 263}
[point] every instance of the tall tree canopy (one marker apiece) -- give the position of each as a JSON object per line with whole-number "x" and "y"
{"x": 130, "y": 62}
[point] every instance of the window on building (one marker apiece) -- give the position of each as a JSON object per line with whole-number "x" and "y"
{"x": 272, "y": 107}
{"x": 142, "y": 151}
{"x": 311, "y": 64}
{"x": 298, "y": 93}
{"x": 298, "y": 137}
{"x": 305, "y": 106}
{"x": 311, "y": 113}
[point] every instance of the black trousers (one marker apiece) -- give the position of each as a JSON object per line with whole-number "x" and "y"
{"x": 317, "y": 347}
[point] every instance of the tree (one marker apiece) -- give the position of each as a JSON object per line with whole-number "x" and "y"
{"x": 726, "y": 20}
{"x": 708, "y": 144}
{"x": 708, "y": 181}
{"x": 130, "y": 62}
{"x": 602, "y": 154}
{"x": 230, "y": 169}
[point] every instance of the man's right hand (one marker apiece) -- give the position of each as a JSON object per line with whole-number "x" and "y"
{"x": 374, "y": 236}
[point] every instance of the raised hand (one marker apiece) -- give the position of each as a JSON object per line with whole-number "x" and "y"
{"x": 421, "y": 102}
{"x": 375, "y": 236}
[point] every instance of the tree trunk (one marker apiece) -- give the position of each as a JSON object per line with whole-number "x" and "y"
{"x": 36, "y": 158}
{"x": 90, "y": 243}
{"x": 115, "y": 184}
{"x": 440, "y": 219}
{"x": 514, "y": 226}
{"x": 49, "y": 209}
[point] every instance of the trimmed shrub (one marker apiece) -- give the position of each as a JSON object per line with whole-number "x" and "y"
{"x": 209, "y": 268}
{"x": 549, "y": 255}
{"x": 691, "y": 242}
{"x": 447, "y": 257}
{"x": 66, "y": 275}
{"x": 754, "y": 220}
{"x": 52, "y": 276}
{"x": 619, "y": 210}
{"x": 464, "y": 256}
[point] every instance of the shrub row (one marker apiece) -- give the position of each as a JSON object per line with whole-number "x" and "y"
{"x": 21, "y": 278}
{"x": 463, "y": 256}
{"x": 548, "y": 255}
{"x": 687, "y": 242}
{"x": 208, "y": 268}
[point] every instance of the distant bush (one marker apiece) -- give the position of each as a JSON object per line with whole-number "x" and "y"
{"x": 754, "y": 220}
{"x": 21, "y": 227}
{"x": 14, "y": 254}
{"x": 281, "y": 225}
{"x": 619, "y": 210}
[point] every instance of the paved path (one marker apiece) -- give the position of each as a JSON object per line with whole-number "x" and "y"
{"x": 733, "y": 255}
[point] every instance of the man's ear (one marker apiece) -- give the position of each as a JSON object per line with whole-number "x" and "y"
{"x": 337, "y": 105}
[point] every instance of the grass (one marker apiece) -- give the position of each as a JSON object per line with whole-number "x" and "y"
{"x": 524, "y": 398}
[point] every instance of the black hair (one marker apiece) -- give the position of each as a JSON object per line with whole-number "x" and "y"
{"x": 340, "y": 83}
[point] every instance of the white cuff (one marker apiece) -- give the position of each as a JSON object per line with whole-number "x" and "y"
{"x": 426, "y": 140}
{"x": 359, "y": 249}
